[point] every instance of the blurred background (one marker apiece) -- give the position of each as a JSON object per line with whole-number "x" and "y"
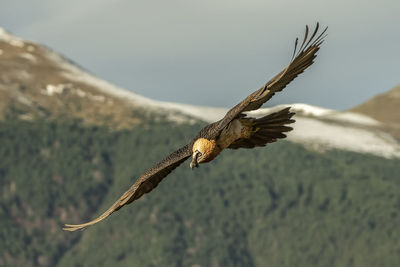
{"x": 94, "y": 93}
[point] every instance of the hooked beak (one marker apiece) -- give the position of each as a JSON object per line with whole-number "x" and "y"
{"x": 194, "y": 162}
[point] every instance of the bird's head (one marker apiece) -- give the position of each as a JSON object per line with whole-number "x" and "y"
{"x": 204, "y": 150}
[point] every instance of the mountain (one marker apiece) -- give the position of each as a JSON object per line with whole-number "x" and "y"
{"x": 281, "y": 205}
{"x": 71, "y": 143}
{"x": 385, "y": 109}
{"x": 36, "y": 82}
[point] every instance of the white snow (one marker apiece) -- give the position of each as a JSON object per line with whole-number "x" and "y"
{"x": 180, "y": 111}
{"x": 318, "y": 128}
{"x": 316, "y": 131}
{"x": 315, "y": 127}
{"x": 351, "y": 117}
{"x": 321, "y": 134}
{"x": 73, "y": 72}
{"x": 298, "y": 108}
{"x": 309, "y": 110}
{"x": 17, "y": 43}
{"x": 29, "y": 57}
{"x": 208, "y": 114}
{"x": 330, "y": 114}
{"x": 321, "y": 113}
{"x": 51, "y": 89}
{"x": 11, "y": 39}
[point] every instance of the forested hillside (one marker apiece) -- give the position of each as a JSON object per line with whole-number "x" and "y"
{"x": 281, "y": 205}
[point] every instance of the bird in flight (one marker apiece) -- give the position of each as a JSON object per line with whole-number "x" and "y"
{"x": 235, "y": 130}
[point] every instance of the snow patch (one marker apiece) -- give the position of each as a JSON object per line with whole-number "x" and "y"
{"x": 330, "y": 114}
{"x": 309, "y": 110}
{"x": 74, "y": 73}
{"x": 354, "y": 118}
{"x": 11, "y": 39}
{"x": 316, "y": 131}
{"x": 1, "y": 52}
{"x": 320, "y": 113}
{"x": 29, "y": 57}
{"x": 51, "y": 89}
{"x": 298, "y": 108}
{"x": 208, "y": 114}
{"x": 17, "y": 43}
{"x": 180, "y": 118}
{"x": 315, "y": 126}
{"x": 328, "y": 135}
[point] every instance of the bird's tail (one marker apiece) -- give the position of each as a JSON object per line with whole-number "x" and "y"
{"x": 266, "y": 129}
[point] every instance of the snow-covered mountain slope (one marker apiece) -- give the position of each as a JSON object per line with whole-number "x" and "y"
{"x": 37, "y": 80}
{"x": 320, "y": 128}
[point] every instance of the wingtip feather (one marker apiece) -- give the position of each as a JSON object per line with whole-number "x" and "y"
{"x": 73, "y": 227}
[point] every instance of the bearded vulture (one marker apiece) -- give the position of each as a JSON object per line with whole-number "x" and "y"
{"x": 235, "y": 130}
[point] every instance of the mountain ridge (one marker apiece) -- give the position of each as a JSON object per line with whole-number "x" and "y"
{"x": 38, "y": 82}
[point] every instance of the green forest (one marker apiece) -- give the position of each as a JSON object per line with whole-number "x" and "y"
{"x": 280, "y": 205}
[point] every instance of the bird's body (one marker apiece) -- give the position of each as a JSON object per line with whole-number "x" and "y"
{"x": 212, "y": 147}
{"x": 234, "y": 131}
{"x": 238, "y": 128}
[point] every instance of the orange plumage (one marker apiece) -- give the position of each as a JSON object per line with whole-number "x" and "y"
{"x": 207, "y": 147}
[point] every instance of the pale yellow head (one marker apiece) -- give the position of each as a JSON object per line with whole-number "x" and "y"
{"x": 204, "y": 150}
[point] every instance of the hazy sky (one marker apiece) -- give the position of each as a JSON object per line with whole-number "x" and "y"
{"x": 217, "y": 52}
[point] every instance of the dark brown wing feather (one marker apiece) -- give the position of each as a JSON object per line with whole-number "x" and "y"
{"x": 301, "y": 60}
{"x": 267, "y": 129}
{"x": 147, "y": 182}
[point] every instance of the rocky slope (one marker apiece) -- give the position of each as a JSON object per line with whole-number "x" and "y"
{"x": 36, "y": 82}
{"x": 385, "y": 108}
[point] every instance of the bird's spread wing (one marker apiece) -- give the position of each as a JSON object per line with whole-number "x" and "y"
{"x": 267, "y": 129}
{"x": 302, "y": 58}
{"x": 147, "y": 182}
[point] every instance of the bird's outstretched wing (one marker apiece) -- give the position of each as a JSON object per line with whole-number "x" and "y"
{"x": 147, "y": 182}
{"x": 302, "y": 58}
